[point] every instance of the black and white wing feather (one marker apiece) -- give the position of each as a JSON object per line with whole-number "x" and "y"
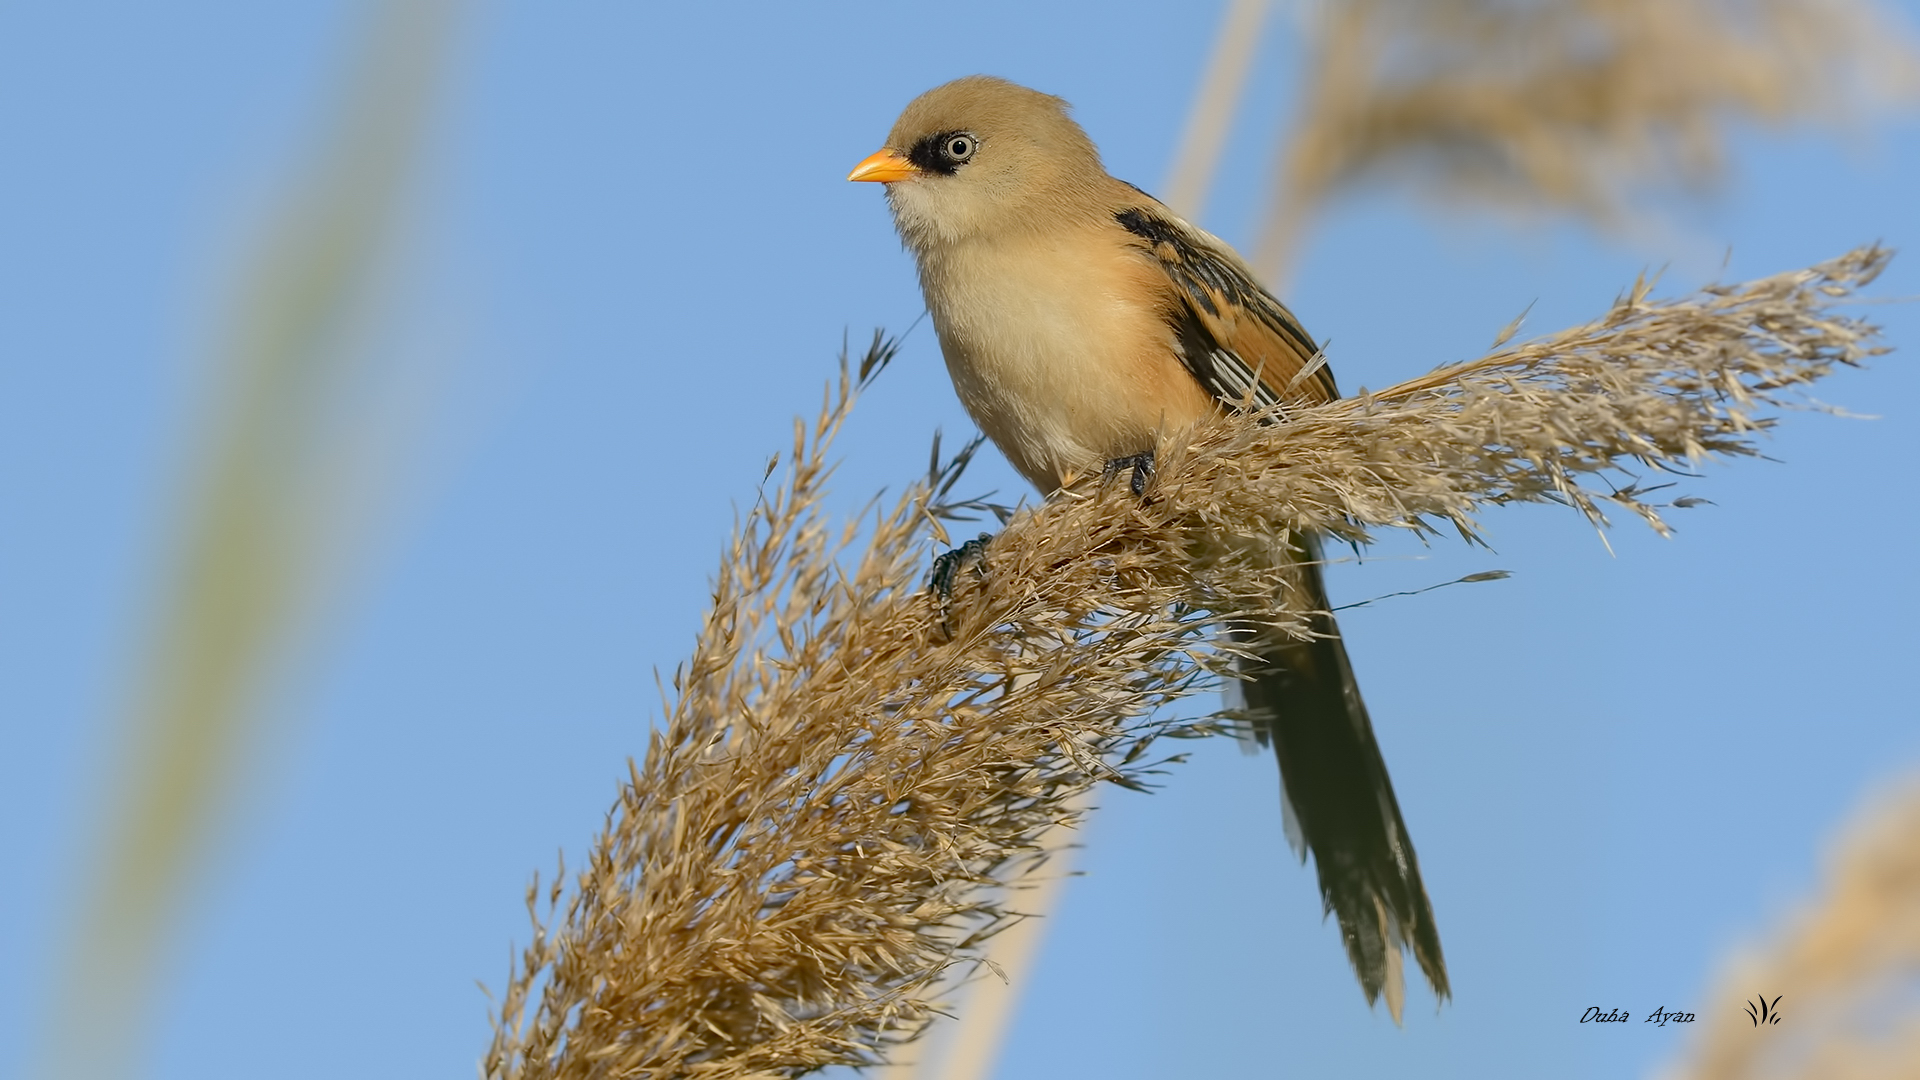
{"x": 1243, "y": 345}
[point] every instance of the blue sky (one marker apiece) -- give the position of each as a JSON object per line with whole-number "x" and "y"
{"x": 634, "y": 255}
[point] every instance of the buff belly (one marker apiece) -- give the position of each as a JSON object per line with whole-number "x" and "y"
{"x": 1053, "y": 362}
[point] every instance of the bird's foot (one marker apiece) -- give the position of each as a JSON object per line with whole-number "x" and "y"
{"x": 1141, "y": 465}
{"x": 947, "y": 566}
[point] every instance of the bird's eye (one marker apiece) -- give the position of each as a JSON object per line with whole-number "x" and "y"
{"x": 960, "y": 147}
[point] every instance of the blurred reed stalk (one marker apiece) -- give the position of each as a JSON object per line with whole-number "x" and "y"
{"x": 1847, "y": 967}
{"x": 983, "y": 1001}
{"x": 853, "y": 770}
{"x": 1561, "y": 106}
{"x": 253, "y": 539}
{"x": 1223, "y": 83}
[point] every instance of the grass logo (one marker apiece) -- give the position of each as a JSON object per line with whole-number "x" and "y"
{"x": 1763, "y": 1012}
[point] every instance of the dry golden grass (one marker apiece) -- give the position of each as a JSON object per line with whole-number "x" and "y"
{"x": 1845, "y": 967}
{"x": 850, "y": 769}
{"x": 1563, "y": 105}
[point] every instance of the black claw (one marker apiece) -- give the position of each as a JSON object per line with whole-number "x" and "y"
{"x": 1142, "y": 467}
{"x": 946, "y": 566}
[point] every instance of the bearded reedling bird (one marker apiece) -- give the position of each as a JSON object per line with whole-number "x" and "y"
{"x": 1082, "y": 321}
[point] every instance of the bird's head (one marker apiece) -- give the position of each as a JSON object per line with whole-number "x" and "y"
{"x": 981, "y": 156}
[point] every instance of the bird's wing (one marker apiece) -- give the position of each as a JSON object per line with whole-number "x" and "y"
{"x": 1243, "y": 345}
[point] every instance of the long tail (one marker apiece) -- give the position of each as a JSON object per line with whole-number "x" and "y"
{"x": 1302, "y": 698}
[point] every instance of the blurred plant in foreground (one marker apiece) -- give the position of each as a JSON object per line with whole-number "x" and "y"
{"x": 257, "y": 534}
{"x": 853, "y": 768}
{"x": 1848, "y": 967}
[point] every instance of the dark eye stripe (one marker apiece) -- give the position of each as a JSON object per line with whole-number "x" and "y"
{"x": 930, "y": 154}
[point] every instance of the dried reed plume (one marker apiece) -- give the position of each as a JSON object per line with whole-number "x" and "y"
{"x": 1846, "y": 968}
{"x": 851, "y": 768}
{"x": 1564, "y": 104}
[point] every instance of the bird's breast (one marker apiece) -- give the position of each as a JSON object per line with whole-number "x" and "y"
{"x": 1066, "y": 361}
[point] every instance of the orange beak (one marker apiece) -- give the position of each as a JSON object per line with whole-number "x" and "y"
{"x": 884, "y": 167}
